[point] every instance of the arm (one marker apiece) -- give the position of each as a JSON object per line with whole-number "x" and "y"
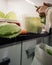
{"x": 48, "y": 19}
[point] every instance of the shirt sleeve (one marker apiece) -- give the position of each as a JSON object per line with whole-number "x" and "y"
{"x": 48, "y": 19}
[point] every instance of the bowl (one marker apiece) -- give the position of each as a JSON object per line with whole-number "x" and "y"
{"x": 42, "y": 55}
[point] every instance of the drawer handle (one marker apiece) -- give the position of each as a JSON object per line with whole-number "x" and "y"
{"x": 5, "y": 61}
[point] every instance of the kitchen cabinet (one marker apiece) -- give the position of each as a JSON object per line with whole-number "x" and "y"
{"x": 46, "y": 40}
{"x": 27, "y": 46}
{"x": 13, "y": 53}
{"x": 50, "y": 38}
{"x": 19, "y": 50}
{"x": 43, "y": 40}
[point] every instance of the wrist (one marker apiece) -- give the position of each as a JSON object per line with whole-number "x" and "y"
{"x": 47, "y": 10}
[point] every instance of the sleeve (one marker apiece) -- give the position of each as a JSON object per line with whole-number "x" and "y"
{"x": 48, "y": 19}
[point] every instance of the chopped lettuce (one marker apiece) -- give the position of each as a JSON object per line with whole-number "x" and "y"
{"x": 49, "y": 51}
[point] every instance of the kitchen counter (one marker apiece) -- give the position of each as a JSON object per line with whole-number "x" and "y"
{"x": 19, "y": 38}
{"x": 21, "y": 46}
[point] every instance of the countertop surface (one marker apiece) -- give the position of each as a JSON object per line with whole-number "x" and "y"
{"x": 22, "y": 37}
{"x": 5, "y": 41}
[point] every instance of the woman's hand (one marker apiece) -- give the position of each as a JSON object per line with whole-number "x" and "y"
{"x": 41, "y": 9}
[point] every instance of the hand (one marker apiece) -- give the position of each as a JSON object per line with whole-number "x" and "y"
{"x": 41, "y": 9}
{"x": 47, "y": 4}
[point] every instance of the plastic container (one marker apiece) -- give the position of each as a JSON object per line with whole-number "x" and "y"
{"x": 43, "y": 56}
{"x": 33, "y": 24}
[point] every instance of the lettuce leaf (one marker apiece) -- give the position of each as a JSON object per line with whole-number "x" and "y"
{"x": 9, "y": 30}
{"x": 11, "y": 16}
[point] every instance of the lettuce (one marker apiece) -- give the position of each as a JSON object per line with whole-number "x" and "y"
{"x": 2, "y": 15}
{"x": 11, "y": 16}
{"x": 9, "y": 30}
{"x": 49, "y": 51}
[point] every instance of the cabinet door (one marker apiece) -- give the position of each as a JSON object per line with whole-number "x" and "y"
{"x": 27, "y": 45}
{"x": 43, "y": 40}
{"x": 46, "y": 40}
{"x": 13, "y": 53}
